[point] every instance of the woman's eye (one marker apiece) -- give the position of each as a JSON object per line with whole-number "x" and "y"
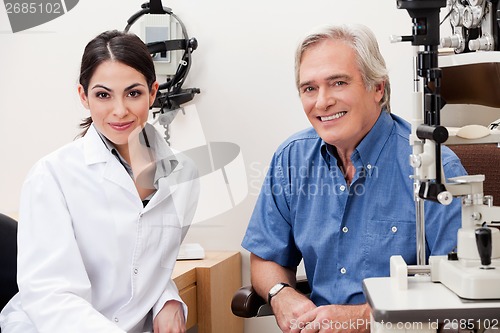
{"x": 134, "y": 93}
{"x": 102, "y": 95}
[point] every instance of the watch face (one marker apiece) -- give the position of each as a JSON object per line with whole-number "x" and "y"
{"x": 276, "y": 288}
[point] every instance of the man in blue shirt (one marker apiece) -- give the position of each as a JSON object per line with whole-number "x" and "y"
{"x": 339, "y": 195}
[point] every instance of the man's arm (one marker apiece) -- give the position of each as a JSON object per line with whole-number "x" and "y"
{"x": 295, "y": 312}
{"x": 288, "y": 304}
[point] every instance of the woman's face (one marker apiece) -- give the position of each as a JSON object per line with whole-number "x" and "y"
{"x": 118, "y": 98}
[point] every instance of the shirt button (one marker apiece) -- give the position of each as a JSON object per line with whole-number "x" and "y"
{"x": 343, "y": 270}
{"x": 342, "y": 188}
{"x": 116, "y": 319}
{"x": 345, "y": 229}
{"x": 368, "y": 166}
{"x": 136, "y": 271}
{"x": 394, "y": 229}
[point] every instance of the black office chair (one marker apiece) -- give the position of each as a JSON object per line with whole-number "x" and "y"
{"x": 8, "y": 259}
{"x": 476, "y": 159}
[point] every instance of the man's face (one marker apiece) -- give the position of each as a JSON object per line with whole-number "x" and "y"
{"x": 333, "y": 94}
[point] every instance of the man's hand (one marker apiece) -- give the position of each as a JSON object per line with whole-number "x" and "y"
{"x": 170, "y": 319}
{"x": 334, "y": 318}
{"x": 288, "y": 305}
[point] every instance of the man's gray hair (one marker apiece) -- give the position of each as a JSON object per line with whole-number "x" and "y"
{"x": 370, "y": 62}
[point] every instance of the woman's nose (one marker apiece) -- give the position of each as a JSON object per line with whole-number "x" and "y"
{"x": 120, "y": 109}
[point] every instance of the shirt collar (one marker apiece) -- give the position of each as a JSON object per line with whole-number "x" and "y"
{"x": 166, "y": 161}
{"x": 111, "y": 147}
{"x": 370, "y": 146}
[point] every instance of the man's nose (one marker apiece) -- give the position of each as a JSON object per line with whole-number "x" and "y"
{"x": 324, "y": 100}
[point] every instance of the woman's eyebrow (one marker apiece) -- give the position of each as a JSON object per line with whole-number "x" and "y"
{"x": 103, "y": 87}
{"x": 132, "y": 86}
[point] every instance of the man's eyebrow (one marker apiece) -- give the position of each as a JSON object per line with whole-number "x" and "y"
{"x": 303, "y": 84}
{"x": 333, "y": 77}
{"x": 338, "y": 76}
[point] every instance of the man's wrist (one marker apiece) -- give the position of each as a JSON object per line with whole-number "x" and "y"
{"x": 278, "y": 287}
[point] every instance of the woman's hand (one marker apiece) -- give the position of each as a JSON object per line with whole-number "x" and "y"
{"x": 170, "y": 319}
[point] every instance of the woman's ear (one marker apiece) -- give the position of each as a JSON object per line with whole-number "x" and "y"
{"x": 152, "y": 93}
{"x": 83, "y": 97}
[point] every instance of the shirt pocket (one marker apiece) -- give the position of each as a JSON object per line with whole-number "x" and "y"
{"x": 171, "y": 233}
{"x": 385, "y": 239}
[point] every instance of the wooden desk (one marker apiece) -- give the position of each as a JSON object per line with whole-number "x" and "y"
{"x": 207, "y": 287}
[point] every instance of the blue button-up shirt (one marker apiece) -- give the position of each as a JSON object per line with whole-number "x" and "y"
{"x": 347, "y": 232}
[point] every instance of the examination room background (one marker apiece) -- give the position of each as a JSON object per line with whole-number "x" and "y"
{"x": 243, "y": 66}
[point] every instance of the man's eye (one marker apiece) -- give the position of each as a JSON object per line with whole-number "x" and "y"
{"x": 339, "y": 83}
{"x": 308, "y": 89}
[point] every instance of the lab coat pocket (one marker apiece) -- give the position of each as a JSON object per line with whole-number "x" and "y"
{"x": 171, "y": 233}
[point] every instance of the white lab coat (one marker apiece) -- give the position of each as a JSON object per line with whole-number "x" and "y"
{"x": 91, "y": 258}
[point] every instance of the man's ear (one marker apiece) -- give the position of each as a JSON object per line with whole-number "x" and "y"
{"x": 83, "y": 97}
{"x": 379, "y": 90}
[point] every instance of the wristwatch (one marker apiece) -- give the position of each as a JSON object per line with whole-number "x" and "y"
{"x": 275, "y": 290}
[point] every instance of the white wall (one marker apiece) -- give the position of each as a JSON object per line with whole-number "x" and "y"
{"x": 243, "y": 66}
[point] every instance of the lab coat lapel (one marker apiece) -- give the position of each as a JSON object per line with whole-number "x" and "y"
{"x": 116, "y": 173}
{"x": 167, "y": 186}
{"x": 96, "y": 152}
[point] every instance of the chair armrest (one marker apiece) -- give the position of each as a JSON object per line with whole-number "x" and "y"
{"x": 303, "y": 287}
{"x": 8, "y": 259}
{"x": 247, "y": 303}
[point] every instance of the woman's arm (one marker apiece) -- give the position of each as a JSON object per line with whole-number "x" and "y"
{"x": 54, "y": 286}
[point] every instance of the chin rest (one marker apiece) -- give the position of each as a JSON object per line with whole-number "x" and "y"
{"x": 247, "y": 303}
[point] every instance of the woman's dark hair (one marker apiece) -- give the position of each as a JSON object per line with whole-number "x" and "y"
{"x": 118, "y": 46}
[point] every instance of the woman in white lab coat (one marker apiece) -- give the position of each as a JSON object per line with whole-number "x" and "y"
{"x": 102, "y": 218}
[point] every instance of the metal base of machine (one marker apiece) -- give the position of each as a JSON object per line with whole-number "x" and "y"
{"x": 467, "y": 278}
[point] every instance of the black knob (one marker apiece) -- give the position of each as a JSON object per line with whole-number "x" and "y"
{"x": 483, "y": 242}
